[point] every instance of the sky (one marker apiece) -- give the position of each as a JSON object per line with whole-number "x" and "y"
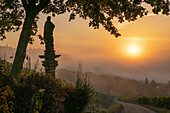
{"x": 142, "y": 51}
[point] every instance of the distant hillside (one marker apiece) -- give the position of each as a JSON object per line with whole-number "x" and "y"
{"x": 118, "y": 85}
{"x": 6, "y": 52}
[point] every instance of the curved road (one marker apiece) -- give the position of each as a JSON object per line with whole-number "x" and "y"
{"x": 133, "y": 108}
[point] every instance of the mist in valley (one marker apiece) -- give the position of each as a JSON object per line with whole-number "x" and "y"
{"x": 110, "y": 77}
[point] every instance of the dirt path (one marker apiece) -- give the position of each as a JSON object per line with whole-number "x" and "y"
{"x": 133, "y": 108}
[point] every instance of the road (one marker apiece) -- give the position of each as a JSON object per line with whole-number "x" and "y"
{"x": 133, "y": 108}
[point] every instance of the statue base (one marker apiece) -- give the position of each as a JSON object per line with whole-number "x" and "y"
{"x": 49, "y": 63}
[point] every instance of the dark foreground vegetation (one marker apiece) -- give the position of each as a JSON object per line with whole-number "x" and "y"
{"x": 34, "y": 92}
{"x": 39, "y": 93}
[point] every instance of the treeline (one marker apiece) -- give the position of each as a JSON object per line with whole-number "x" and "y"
{"x": 162, "y": 102}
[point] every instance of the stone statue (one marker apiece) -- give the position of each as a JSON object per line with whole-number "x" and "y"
{"x": 49, "y": 54}
{"x": 48, "y": 33}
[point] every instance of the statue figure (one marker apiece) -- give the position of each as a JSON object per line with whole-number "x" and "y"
{"x": 49, "y": 54}
{"x": 48, "y": 33}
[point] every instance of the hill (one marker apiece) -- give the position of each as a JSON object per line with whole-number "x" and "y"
{"x": 117, "y": 85}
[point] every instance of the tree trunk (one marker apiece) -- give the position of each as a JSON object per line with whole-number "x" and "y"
{"x": 22, "y": 46}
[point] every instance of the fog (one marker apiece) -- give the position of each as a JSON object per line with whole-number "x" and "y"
{"x": 156, "y": 68}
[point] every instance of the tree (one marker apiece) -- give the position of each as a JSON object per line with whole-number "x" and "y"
{"x": 153, "y": 84}
{"x": 79, "y": 96}
{"x": 169, "y": 83}
{"x": 146, "y": 82}
{"x": 17, "y": 13}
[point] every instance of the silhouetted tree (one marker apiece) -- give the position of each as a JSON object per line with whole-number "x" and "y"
{"x": 169, "y": 83}
{"x": 146, "y": 82}
{"x": 17, "y": 13}
{"x": 153, "y": 84}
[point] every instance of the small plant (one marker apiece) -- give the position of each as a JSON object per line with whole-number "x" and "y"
{"x": 79, "y": 95}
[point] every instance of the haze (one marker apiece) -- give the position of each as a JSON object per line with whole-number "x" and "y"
{"x": 101, "y": 52}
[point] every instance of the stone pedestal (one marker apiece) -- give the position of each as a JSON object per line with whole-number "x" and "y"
{"x": 50, "y": 63}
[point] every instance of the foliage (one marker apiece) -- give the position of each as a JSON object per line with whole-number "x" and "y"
{"x": 6, "y": 99}
{"x": 7, "y": 95}
{"x": 98, "y": 12}
{"x": 162, "y": 102}
{"x": 129, "y": 99}
{"x": 37, "y": 93}
{"x": 144, "y": 101}
{"x": 100, "y": 100}
{"x": 4, "y": 69}
{"x": 153, "y": 84}
{"x": 78, "y": 96}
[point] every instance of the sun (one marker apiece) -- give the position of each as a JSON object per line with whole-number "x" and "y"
{"x": 133, "y": 50}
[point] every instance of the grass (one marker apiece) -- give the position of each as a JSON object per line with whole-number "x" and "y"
{"x": 113, "y": 108}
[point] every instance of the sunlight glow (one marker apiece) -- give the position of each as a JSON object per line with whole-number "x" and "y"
{"x": 133, "y": 50}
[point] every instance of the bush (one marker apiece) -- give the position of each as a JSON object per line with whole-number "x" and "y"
{"x": 41, "y": 94}
{"x": 7, "y": 95}
{"x": 4, "y": 74}
{"x": 78, "y": 96}
{"x": 6, "y": 99}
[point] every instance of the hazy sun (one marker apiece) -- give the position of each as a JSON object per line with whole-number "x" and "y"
{"x": 133, "y": 50}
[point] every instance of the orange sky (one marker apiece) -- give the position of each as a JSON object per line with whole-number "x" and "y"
{"x": 97, "y": 48}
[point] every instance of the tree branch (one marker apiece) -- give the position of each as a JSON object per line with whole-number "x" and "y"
{"x": 24, "y": 2}
{"x": 41, "y": 5}
{"x": 32, "y": 3}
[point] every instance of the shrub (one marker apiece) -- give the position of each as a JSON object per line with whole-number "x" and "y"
{"x": 7, "y": 95}
{"x": 78, "y": 96}
{"x": 5, "y": 79}
{"x": 38, "y": 93}
{"x": 6, "y": 99}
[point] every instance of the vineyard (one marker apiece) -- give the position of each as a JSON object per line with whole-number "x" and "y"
{"x": 162, "y": 102}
